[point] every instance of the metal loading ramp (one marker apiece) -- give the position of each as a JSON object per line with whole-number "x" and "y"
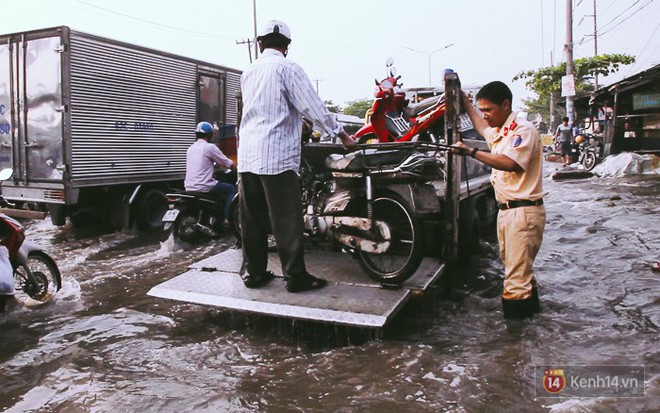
{"x": 350, "y": 299}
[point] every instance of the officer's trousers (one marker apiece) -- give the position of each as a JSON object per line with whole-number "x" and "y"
{"x": 520, "y": 233}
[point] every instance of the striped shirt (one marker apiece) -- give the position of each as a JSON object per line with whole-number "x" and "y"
{"x": 276, "y": 95}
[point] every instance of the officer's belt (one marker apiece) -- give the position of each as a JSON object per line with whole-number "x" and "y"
{"x": 518, "y": 204}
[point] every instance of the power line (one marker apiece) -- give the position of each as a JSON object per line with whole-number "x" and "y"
{"x": 644, "y": 48}
{"x": 141, "y": 20}
{"x": 605, "y": 29}
{"x": 625, "y": 19}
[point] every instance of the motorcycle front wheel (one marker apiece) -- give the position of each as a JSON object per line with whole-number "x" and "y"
{"x": 589, "y": 161}
{"x": 405, "y": 252}
{"x": 45, "y": 282}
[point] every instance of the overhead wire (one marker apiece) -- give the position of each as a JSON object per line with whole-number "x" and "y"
{"x": 141, "y": 20}
{"x": 605, "y": 30}
{"x": 644, "y": 49}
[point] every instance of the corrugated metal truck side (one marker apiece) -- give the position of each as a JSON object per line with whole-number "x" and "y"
{"x": 99, "y": 128}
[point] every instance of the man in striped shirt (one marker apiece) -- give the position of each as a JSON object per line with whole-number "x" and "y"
{"x": 276, "y": 95}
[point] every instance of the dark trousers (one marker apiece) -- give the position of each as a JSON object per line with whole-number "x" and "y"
{"x": 272, "y": 201}
{"x": 223, "y": 191}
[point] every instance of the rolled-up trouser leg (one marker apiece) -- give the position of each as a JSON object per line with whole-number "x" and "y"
{"x": 520, "y": 233}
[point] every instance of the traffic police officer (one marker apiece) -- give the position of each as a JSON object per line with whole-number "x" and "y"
{"x": 516, "y": 156}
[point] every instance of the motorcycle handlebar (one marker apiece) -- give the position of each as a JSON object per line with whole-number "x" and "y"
{"x": 402, "y": 145}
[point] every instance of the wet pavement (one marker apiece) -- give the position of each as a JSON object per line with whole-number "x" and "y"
{"x": 103, "y": 345}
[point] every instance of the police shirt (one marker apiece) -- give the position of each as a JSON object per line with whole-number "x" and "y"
{"x": 519, "y": 140}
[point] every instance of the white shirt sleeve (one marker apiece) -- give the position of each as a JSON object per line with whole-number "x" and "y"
{"x": 304, "y": 98}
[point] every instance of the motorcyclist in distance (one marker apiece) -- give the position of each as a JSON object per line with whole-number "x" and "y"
{"x": 201, "y": 159}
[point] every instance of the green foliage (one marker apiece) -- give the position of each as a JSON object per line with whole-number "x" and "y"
{"x": 548, "y": 79}
{"x": 358, "y": 107}
{"x": 332, "y": 107}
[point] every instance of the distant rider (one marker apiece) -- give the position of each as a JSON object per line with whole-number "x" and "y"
{"x": 201, "y": 159}
{"x": 564, "y": 137}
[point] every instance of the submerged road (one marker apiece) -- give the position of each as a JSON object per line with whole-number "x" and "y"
{"x": 103, "y": 345}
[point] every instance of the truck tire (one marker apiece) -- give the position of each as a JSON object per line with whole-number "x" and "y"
{"x": 151, "y": 208}
{"x": 468, "y": 237}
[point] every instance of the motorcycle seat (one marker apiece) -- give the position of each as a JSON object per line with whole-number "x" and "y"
{"x": 414, "y": 109}
{"x": 201, "y": 195}
{"x": 369, "y": 159}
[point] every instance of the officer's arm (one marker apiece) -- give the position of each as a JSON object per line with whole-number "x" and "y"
{"x": 478, "y": 122}
{"x": 498, "y": 161}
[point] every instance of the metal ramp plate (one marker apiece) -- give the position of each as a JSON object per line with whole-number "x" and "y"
{"x": 350, "y": 298}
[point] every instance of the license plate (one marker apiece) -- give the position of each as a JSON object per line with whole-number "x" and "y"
{"x": 170, "y": 215}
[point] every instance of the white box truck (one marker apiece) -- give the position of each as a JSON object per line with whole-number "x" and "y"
{"x": 98, "y": 129}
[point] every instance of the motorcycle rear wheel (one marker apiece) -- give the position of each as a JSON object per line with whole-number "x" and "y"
{"x": 589, "y": 161}
{"x": 185, "y": 227}
{"x": 47, "y": 278}
{"x": 405, "y": 253}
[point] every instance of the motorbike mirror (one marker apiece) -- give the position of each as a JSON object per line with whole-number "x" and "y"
{"x": 392, "y": 71}
{"x": 389, "y": 62}
{"x": 6, "y": 174}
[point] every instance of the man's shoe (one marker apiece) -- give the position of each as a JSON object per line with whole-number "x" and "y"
{"x": 305, "y": 283}
{"x": 252, "y": 281}
{"x": 518, "y": 309}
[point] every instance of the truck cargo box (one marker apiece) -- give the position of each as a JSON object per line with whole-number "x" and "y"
{"x": 80, "y": 113}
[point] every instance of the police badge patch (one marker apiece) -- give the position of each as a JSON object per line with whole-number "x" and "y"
{"x": 516, "y": 141}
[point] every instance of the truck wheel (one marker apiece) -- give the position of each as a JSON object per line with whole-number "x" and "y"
{"x": 468, "y": 238}
{"x": 151, "y": 209}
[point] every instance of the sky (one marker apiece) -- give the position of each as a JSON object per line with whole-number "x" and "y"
{"x": 343, "y": 44}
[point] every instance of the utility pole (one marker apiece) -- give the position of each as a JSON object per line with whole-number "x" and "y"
{"x": 570, "y": 69}
{"x": 552, "y": 102}
{"x": 254, "y": 18}
{"x": 249, "y": 43}
{"x": 317, "y": 85}
{"x": 595, "y": 43}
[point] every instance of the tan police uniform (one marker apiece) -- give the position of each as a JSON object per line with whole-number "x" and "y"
{"x": 519, "y": 229}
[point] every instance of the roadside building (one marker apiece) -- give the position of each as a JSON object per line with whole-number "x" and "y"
{"x": 628, "y": 113}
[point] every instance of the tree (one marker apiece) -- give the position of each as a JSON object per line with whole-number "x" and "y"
{"x": 358, "y": 107}
{"x": 546, "y": 82}
{"x": 332, "y": 107}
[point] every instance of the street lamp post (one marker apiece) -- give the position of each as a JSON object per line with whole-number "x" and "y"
{"x": 428, "y": 55}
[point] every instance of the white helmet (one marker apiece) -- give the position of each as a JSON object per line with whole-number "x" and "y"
{"x": 274, "y": 26}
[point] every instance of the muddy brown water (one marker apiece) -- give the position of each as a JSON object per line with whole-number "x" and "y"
{"x": 103, "y": 345}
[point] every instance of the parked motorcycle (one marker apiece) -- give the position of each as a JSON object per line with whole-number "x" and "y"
{"x": 589, "y": 150}
{"x": 368, "y": 202}
{"x": 394, "y": 119}
{"x": 35, "y": 272}
{"x": 195, "y": 216}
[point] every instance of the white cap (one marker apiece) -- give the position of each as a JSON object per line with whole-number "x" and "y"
{"x": 275, "y": 26}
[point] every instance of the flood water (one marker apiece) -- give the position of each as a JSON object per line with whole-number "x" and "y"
{"x": 103, "y": 345}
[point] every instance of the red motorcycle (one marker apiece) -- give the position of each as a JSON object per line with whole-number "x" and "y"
{"x": 393, "y": 118}
{"x": 35, "y": 273}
